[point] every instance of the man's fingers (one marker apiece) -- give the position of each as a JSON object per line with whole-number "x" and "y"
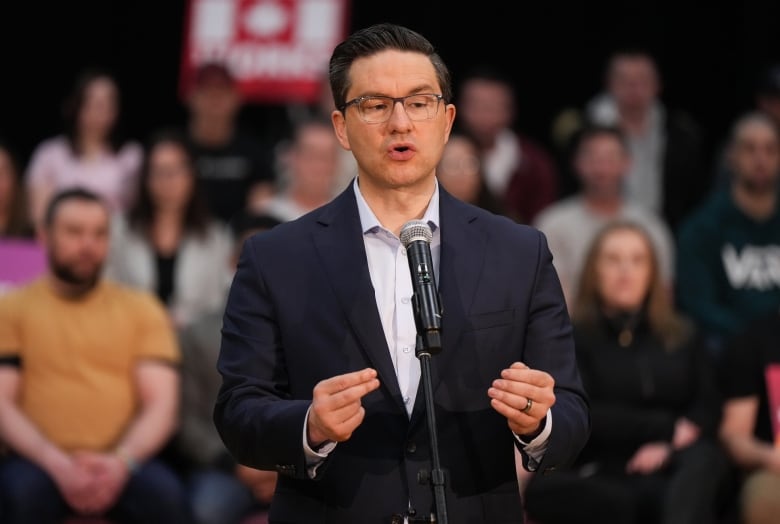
{"x": 336, "y": 406}
{"x": 344, "y": 389}
{"x": 522, "y": 391}
{"x": 346, "y": 381}
{"x": 344, "y": 429}
{"x": 525, "y": 374}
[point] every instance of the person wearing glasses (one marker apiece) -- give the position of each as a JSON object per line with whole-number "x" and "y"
{"x": 321, "y": 380}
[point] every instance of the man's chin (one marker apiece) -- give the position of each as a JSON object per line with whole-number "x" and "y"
{"x": 760, "y": 187}
{"x": 85, "y": 280}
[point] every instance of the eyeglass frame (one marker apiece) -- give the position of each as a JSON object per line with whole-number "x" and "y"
{"x": 395, "y": 100}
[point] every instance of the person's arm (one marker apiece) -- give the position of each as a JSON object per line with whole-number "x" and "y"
{"x": 696, "y": 281}
{"x": 19, "y": 432}
{"x": 254, "y": 395}
{"x": 157, "y": 386}
{"x": 549, "y": 346}
{"x": 705, "y": 410}
{"x": 736, "y": 433}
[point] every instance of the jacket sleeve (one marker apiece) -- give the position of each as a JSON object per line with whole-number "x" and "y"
{"x": 255, "y": 395}
{"x": 550, "y": 346}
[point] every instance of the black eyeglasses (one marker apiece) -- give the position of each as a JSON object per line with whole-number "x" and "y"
{"x": 377, "y": 109}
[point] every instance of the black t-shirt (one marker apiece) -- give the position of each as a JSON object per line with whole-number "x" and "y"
{"x": 228, "y": 172}
{"x": 745, "y": 366}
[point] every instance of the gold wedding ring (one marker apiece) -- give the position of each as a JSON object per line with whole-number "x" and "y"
{"x": 528, "y": 405}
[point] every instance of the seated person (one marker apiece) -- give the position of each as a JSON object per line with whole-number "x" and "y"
{"x": 88, "y": 384}
{"x": 220, "y": 490}
{"x": 653, "y": 455}
{"x": 752, "y": 390}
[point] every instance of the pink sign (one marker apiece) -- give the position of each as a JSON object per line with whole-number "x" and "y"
{"x": 278, "y": 50}
{"x": 772, "y": 376}
{"x": 20, "y": 262}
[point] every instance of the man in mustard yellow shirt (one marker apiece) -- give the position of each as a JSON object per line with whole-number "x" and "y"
{"x": 88, "y": 385}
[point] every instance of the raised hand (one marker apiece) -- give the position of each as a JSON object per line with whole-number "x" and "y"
{"x": 336, "y": 409}
{"x": 523, "y": 395}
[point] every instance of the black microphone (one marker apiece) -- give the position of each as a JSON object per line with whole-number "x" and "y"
{"x": 416, "y": 237}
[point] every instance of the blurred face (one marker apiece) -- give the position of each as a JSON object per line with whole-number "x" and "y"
{"x": 486, "y": 108}
{"x": 100, "y": 108}
{"x": 755, "y": 157}
{"x": 459, "y": 169}
{"x": 623, "y": 270}
{"x": 602, "y": 163}
{"x": 400, "y": 153}
{"x": 77, "y": 242}
{"x": 171, "y": 179}
{"x": 633, "y": 82}
{"x": 315, "y": 160}
{"x": 7, "y": 179}
{"x": 217, "y": 100}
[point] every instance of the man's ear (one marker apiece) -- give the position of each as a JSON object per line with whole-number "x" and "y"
{"x": 340, "y": 128}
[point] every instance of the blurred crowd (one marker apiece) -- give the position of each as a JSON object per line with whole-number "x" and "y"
{"x": 667, "y": 249}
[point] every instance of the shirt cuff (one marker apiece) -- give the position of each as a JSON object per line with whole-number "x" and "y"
{"x": 314, "y": 458}
{"x": 536, "y": 448}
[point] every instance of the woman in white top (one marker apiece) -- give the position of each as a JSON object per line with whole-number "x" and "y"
{"x": 168, "y": 243}
{"x": 89, "y": 152}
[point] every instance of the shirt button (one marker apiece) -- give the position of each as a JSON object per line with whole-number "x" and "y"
{"x": 403, "y": 252}
{"x": 407, "y": 349}
{"x": 406, "y": 400}
{"x": 405, "y": 300}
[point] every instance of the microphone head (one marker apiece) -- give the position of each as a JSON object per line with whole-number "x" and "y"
{"x": 415, "y": 230}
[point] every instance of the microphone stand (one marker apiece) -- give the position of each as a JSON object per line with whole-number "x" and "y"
{"x": 423, "y": 353}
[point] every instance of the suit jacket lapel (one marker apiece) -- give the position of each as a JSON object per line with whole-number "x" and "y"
{"x": 460, "y": 266}
{"x": 339, "y": 243}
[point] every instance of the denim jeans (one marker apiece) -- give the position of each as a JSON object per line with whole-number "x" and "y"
{"x": 217, "y": 497}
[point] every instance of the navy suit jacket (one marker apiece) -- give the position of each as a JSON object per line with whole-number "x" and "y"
{"x": 301, "y": 309}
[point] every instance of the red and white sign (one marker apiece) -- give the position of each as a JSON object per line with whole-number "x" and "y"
{"x": 277, "y": 49}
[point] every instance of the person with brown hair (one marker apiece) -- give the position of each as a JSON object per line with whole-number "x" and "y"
{"x": 14, "y": 216}
{"x": 519, "y": 170}
{"x": 168, "y": 242}
{"x": 91, "y": 151}
{"x": 460, "y": 173}
{"x": 653, "y": 455}
{"x": 234, "y": 165}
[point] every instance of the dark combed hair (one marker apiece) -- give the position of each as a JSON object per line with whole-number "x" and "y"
{"x": 592, "y": 130}
{"x": 488, "y": 73}
{"x": 374, "y": 39}
{"x": 142, "y": 213}
{"x": 66, "y": 195}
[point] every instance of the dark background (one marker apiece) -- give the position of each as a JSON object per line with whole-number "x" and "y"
{"x": 709, "y": 55}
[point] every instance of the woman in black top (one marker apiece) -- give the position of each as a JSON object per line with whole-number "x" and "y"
{"x": 652, "y": 456}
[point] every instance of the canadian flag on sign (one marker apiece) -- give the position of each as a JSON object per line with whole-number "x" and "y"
{"x": 278, "y": 50}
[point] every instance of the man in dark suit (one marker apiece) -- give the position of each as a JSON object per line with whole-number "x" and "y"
{"x": 320, "y": 376}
